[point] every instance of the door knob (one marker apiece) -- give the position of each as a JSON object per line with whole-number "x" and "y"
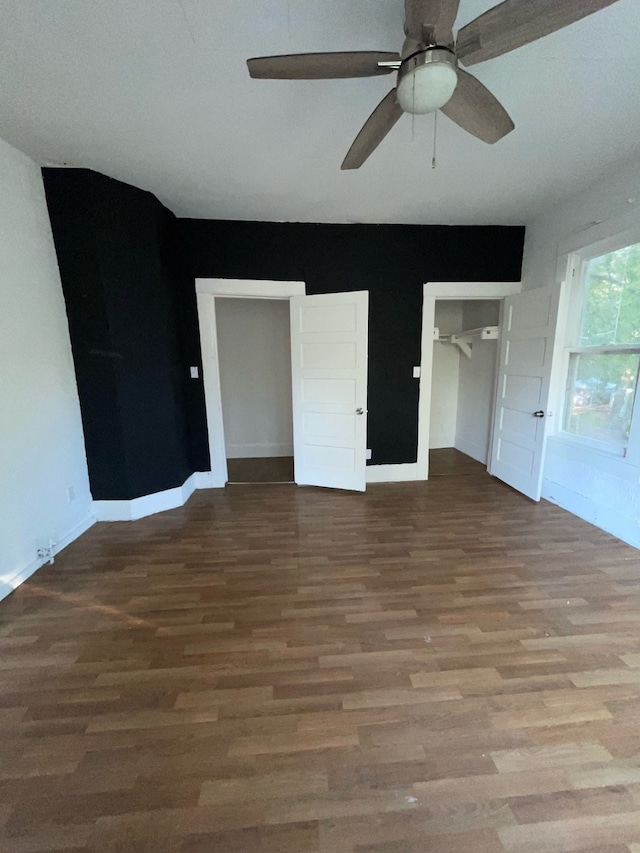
{"x": 359, "y": 411}
{"x": 539, "y": 414}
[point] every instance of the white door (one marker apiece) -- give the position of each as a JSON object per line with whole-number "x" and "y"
{"x": 526, "y": 350}
{"x": 329, "y": 374}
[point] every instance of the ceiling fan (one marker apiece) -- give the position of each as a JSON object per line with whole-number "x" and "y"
{"x": 429, "y": 77}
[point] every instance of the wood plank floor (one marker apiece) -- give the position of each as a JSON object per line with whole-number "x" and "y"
{"x": 271, "y": 469}
{"x": 441, "y": 667}
{"x": 449, "y": 462}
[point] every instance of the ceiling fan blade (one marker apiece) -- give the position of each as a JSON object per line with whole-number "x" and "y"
{"x": 379, "y": 123}
{"x": 431, "y": 20}
{"x": 321, "y": 66}
{"x": 515, "y": 23}
{"x": 477, "y": 111}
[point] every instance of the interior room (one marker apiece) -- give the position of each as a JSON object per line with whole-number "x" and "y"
{"x": 463, "y": 384}
{"x": 254, "y": 351}
{"x": 319, "y": 427}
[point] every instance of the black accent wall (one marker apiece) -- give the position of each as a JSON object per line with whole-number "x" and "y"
{"x": 121, "y": 271}
{"x": 128, "y": 268}
{"x": 392, "y": 262}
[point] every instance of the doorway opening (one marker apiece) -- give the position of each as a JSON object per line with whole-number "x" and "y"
{"x": 465, "y": 361}
{"x": 328, "y": 368}
{"x": 254, "y": 351}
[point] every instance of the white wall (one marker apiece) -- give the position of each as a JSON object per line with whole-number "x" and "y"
{"x": 42, "y": 450}
{"x": 445, "y": 377}
{"x": 255, "y": 376}
{"x": 477, "y": 376}
{"x": 601, "y": 210}
{"x": 462, "y": 388}
{"x": 477, "y": 313}
{"x": 599, "y": 488}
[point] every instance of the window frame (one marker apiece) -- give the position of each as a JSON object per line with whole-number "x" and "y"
{"x": 578, "y": 262}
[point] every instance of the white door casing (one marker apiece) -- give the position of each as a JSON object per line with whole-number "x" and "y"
{"x": 436, "y": 291}
{"x": 329, "y": 340}
{"x": 207, "y": 291}
{"x": 527, "y": 342}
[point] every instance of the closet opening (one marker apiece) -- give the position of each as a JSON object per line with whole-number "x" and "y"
{"x": 465, "y": 362}
{"x": 254, "y": 357}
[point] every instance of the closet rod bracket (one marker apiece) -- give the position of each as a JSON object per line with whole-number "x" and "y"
{"x": 464, "y": 340}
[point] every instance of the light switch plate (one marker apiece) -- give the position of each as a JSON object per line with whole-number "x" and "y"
{"x": 416, "y": 373}
{"x": 368, "y": 456}
{"x": 194, "y": 372}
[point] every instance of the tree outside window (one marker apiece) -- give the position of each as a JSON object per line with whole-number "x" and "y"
{"x": 603, "y": 366}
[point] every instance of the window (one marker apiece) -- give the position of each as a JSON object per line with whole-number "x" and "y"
{"x": 604, "y": 355}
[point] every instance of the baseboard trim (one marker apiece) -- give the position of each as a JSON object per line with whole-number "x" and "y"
{"x": 210, "y": 480}
{"x": 472, "y": 449}
{"x": 158, "y": 501}
{"x": 8, "y": 584}
{"x": 392, "y": 473}
{"x": 75, "y": 533}
{"x": 258, "y": 451}
{"x": 438, "y": 442}
{"x": 173, "y": 498}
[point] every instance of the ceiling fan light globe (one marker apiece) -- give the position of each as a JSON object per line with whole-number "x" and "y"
{"x": 427, "y": 80}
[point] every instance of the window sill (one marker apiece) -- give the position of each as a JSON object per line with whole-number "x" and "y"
{"x": 576, "y": 443}
{"x": 589, "y": 444}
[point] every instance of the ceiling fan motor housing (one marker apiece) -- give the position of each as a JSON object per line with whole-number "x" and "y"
{"x": 427, "y": 79}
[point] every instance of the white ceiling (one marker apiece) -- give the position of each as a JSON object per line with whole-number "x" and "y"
{"x": 156, "y": 93}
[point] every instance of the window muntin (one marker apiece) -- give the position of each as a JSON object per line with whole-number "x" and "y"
{"x": 604, "y": 362}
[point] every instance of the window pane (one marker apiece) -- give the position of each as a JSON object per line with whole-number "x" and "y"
{"x": 611, "y": 313}
{"x": 600, "y": 398}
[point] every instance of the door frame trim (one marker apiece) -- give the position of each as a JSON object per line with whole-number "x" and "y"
{"x": 445, "y": 290}
{"x": 207, "y": 291}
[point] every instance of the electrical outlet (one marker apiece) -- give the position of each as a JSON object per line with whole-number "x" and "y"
{"x": 194, "y": 372}
{"x": 368, "y": 456}
{"x": 46, "y": 553}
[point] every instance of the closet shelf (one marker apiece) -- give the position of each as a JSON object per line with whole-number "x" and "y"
{"x": 463, "y": 340}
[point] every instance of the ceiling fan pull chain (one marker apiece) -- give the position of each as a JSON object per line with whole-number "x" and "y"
{"x": 429, "y": 76}
{"x": 435, "y": 134}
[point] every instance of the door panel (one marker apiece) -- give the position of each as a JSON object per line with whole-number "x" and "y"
{"x": 329, "y": 374}
{"x": 329, "y": 392}
{"x": 323, "y": 425}
{"x": 526, "y": 349}
{"x": 342, "y": 356}
{"x": 328, "y": 318}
